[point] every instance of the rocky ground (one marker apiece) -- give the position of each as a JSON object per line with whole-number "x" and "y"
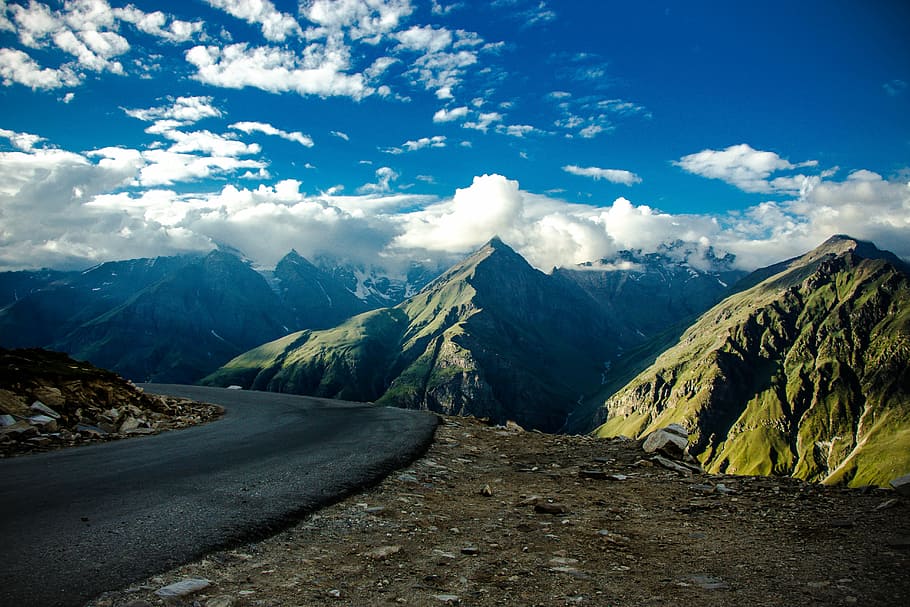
{"x": 49, "y": 401}
{"x": 499, "y": 516}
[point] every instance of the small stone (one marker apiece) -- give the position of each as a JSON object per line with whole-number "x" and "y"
{"x": 531, "y": 500}
{"x": 219, "y": 601}
{"x": 334, "y": 593}
{"x": 885, "y": 505}
{"x": 89, "y": 430}
{"x": 130, "y": 423}
{"x": 45, "y": 422}
{"x": 707, "y": 582}
{"x": 669, "y": 464}
{"x": 902, "y": 485}
{"x": 595, "y": 474}
{"x": 470, "y": 550}
{"x": 7, "y": 420}
{"x": 551, "y": 508}
{"x": 183, "y": 587}
{"x": 617, "y": 477}
{"x": 447, "y": 598}
{"x": 383, "y": 552}
{"x": 705, "y": 489}
{"x": 408, "y": 478}
{"x": 486, "y": 491}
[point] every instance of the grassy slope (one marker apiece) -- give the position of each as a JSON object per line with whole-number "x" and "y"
{"x": 787, "y": 376}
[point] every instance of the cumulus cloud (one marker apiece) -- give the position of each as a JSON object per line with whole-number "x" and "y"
{"x": 17, "y": 67}
{"x": 69, "y": 208}
{"x": 611, "y": 175}
{"x": 268, "y": 129}
{"x": 746, "y": 168}
{"x": 276, "y": 26}
{"x": 182, "y": 110}
{"x": 369, "y": 19}
{"x": 22, "y": 141}
{"x": 483, "y": 121}
{"x": 159, "y": 24}
{"x": 319, "y": 70}
{"x": 449, "y": 115}
{"x": 384, "y": 178}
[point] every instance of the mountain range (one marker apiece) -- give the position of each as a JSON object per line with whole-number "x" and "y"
{"x": 176, "y": 319}
{"x": 800, "y": 368}
{"x": 491, "y": 337}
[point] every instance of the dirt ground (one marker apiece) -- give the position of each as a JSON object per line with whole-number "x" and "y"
{"x": 499, "y": 516}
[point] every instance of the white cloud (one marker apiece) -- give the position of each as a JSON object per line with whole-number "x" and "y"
{"x": 182, "y": 110}
{"x": 156, "y": 24}
{"x": 167, "y": 167}
{"x": 276, "y": 26}
{"x": 436, "y": 141}
{"x": 358, "y": 18}
{"x": 425, "y": 39}
{"x": 340, "y": 135}
{"x": 384, "y": 177}
{"x": 268, "y": 129}
{"x": 746, "y": 168}
{"x": 611, "y": 175}
{"x": 449, "y": 115}
{"x": 517, "y": 130}
{"x": 208, "y": 142}
{"x": 16, "y": 67}
{"x": 320, "y": 70}
{"x": 490, "y": 206}
{"x": 483, "y": 121}
{"x": 23, "y": 141}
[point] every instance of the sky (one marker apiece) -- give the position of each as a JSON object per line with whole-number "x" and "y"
{"x": 380, "y": 131}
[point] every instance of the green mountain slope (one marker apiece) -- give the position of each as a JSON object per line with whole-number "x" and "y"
{"x": 491, "y": 337}
{"x": 804, "y": 372}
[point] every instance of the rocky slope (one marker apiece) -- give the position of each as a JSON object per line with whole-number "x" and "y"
{"x": 497, "y": 516}
{"x": 805, "y": 372}
{"x": 491, "y": 337}
{"x": 50, "y": 401}
{"x": 646, "y": 293}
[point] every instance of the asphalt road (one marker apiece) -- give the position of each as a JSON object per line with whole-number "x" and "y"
{"x": 78, "y": 522}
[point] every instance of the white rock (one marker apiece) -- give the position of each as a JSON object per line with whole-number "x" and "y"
{"x": 678, "y": 430}
{"x": 183, "y": 587}
{"x": 667, "y": 443}
{"x": 44, "y": 409}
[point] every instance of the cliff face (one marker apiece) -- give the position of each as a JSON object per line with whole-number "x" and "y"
{"x": 806, "y": 373}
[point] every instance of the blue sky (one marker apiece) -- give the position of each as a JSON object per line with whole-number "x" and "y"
{"x": 383, "y": 130}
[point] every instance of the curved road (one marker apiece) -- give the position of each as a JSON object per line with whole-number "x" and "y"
{"x": 78, "y": 522}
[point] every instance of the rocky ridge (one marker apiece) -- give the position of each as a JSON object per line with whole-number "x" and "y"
{"x": 49, "y": 401}
{"x": 494, "y": 515}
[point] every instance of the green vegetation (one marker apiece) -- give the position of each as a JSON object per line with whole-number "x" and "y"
{"x": 806, "y": 372}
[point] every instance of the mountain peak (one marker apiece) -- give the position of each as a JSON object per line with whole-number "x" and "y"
{"x": 840, "y": 244}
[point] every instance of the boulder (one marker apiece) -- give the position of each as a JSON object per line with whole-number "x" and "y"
{"x": 666, "y": 443}
{"x": 902, "y": 485}
{"x": 42, "y": 409}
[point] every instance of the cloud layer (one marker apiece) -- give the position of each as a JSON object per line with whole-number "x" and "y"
{"x": 63, "y": 208}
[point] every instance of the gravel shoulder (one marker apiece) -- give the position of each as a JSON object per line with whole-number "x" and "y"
{"x": 498, "y": 516}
